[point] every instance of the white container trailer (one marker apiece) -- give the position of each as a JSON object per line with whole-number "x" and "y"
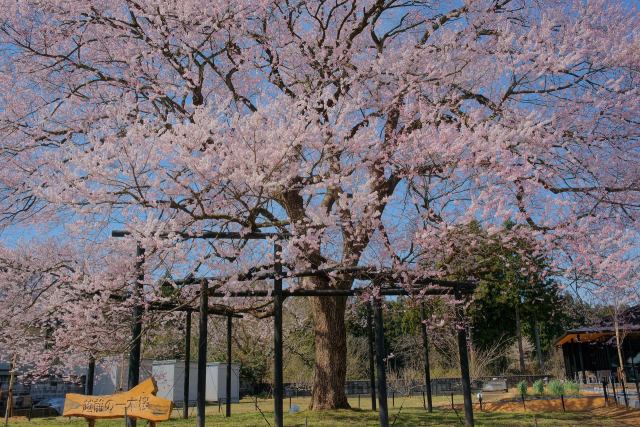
{"x": 217, "y": 382}
{"x": 112, "y": 374}
{"x": 169, "y": 376}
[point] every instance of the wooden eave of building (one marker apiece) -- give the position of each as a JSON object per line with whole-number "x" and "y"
{"x": 593, "y": 334}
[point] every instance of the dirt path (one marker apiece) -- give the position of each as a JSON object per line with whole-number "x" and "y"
{"x": 571, "y": 404}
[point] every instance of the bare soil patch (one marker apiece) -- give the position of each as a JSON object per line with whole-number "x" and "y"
{"x": 592, "y": 404}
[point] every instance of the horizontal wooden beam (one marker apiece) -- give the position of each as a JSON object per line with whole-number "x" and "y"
{"x": 168, "y": 306}
{"x": 264, "y": 293}
{"x": 222, "y": 235}
{"x": 356, "y": 273}
{"x": 331, "y": 292}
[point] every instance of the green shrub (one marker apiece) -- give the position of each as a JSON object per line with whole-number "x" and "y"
{"x": 555, "y": 387}
{"x": 522, "y": 388}
{"x": 571, "y": 388}
{"x": 538, "y": 387}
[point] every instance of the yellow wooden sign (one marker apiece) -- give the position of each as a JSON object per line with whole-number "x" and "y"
{"x": 139, "y": 402}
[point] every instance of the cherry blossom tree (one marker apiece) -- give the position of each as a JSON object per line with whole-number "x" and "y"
{"x": 58, "y": 308}
{"x": 368, "y": 129}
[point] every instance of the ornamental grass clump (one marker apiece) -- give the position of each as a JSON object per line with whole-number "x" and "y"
{"x": 555, "y": 388}
{"x": 571, "y": 388}
{"x": 522, "y": 388}
{"x": 538, "y": 387}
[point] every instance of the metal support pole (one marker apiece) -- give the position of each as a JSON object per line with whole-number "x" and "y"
{"x": 8, "y": 411}
{"x": 202, "y": 353}
{"x": 380, "y": 353}
{"x": 136, "y": 329}
{"x": 624, "y": 393}
{"x": 228, "y": 390}
{"x": 187, "y": 366}
{"x": 277, "y": 337}
{"x": 372, "y": 371}
{"x": 464, "y": 366}
{"x": 91, "y": 370}
{"x": 613, "y": 389}
{"x": 427, "y": 369}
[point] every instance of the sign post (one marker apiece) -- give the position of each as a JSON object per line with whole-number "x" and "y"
{"x": 139, "y": 402}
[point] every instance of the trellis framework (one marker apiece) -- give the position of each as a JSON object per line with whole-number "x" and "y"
{"x": 378, "y": 277}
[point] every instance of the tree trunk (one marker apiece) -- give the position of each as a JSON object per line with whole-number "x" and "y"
{"x": 331, "y": 353}
{"x": 472, "y": 354}
{"x": 619, "y": 340}
{"x": 519, "y": 337}
{"x": 536, "y": 331}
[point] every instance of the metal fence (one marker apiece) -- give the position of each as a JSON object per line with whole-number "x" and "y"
{"x": 439, "y": 386}
{"x": 25, "y": 395}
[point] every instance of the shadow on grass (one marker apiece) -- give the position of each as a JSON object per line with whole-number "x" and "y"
{"x": 359, "y": 417}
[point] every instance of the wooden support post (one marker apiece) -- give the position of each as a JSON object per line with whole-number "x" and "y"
{"x": 604, "y": 392}
{"x": 91, "y": 370}
{"x": 574, "y": 371}
{"x": 372, "y": 371}
{"x": 228, "y": 385}
{"x": 427, "y": 369}
{"x": 606, "y": 347}
{"x": 633, "y": 367}
{"x": 187, "y": 366}
{"x": 584, "y": 374}
{"x": 635, "y": 378}
{"x": 464, "y": 365}
{"x": 624, "y": 393}
{"x": 136, "y": 330}
{"x": 380, "y": 354}
{"x": 277, "y": 338}
{"x": 202, "y": 353}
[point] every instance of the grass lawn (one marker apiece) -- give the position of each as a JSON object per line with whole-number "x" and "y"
{"x": 244, "y": 414}
{"x": 353, "y": 418}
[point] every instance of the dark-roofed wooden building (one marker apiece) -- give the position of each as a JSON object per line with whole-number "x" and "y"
{"x": 590, "y": 352}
